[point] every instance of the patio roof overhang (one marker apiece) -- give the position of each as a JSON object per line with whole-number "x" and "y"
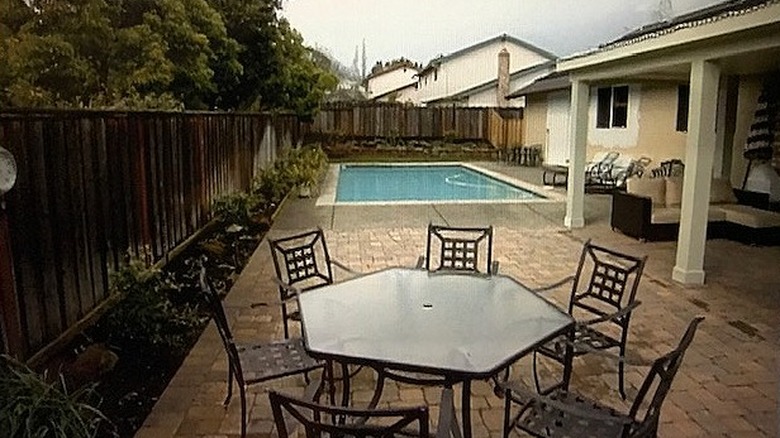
{"x": 704, "y": 53}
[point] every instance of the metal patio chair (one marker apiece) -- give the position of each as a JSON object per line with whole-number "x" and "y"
{"x": 251, "y": 364}
{"x": 333, "y": 421}
{"x": 602, "y": 308}
{"x": 302, "y": 263}
{"x": 459, "y": 249}
{"x": 567, "y": 414}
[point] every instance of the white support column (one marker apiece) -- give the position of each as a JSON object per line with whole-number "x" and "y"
{"x": 578, "y": 138}
{"x": 699, "y": 158}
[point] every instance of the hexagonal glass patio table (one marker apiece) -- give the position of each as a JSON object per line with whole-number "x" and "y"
{"x": 458, "y": 326}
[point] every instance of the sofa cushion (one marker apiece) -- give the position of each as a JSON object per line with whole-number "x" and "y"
{"x": 716, "y": 213}
{"x": 751, "y": 216}
{"x": 653, "y": 188}
{"x": 671, "y": 215}
{"x": 721, "y": 192}
{"x": 665, "y": 215}
{"x": 674, "y": 187}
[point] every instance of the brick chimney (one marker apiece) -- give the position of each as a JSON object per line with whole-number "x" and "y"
{"x": 503, "y": 78}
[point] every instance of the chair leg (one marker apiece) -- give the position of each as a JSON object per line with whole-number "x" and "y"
{"x": 508, "y": 411}
{"x": 621, "y": 369}
{"x": 229, "y": 386}
{"x": 466, "y": 408}
{"x": 284, "y": 322}
{"x": 345, "y": 385}
{"x": 242, "y": 391}
{"x": 536, "y": 375}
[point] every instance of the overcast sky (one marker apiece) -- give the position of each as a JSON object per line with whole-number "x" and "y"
{"x": 422, "y": 29}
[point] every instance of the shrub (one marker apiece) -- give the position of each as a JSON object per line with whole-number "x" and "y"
{"x": 145, "y": 321}
{"x": 32, "y": 407}
{"x": 301, "y": 166}
{"x": 237, "y": 208}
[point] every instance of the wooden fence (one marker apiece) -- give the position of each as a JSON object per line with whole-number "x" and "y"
{"x": 93, "y": 186}
{"x": 499, "y": 127}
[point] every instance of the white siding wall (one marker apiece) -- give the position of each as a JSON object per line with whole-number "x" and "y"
{"x": 474, "y": 68}
{"x": 408, "y": 95}
{"x": 391, "y": 80}
{"x": 488, "y": 97}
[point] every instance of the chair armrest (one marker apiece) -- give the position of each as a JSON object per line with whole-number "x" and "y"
{"x": 294, "y": 291}
{"x": 520, "y": 394}
{"x": 555, "y": 285}
{"x": 612, "y": 316}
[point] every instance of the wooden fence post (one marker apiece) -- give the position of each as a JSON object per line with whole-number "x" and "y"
{"x": 9, "y": 308}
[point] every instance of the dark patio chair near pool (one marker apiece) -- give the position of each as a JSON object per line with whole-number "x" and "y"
{"x": 465, "y": 249}
{"x": 302, "y": 263}
{"x": 562, "y": 413}
{"x": 334, "y": 421}
{"x": 603, "y": 296}
{"x": 252, "y": 364}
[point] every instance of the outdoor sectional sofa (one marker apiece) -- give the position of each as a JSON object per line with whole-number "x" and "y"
{"x": 649, "y": 210}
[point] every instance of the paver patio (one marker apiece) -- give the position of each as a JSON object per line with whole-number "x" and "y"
{"x": 728, "y": 384}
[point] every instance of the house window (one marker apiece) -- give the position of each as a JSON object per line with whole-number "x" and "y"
{"x": 612, "y": 107}
{"x": 436, "y": 75}
{"x": 683, "y": 93}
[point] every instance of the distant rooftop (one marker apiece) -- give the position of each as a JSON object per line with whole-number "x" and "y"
{"x": 503, "y": 37}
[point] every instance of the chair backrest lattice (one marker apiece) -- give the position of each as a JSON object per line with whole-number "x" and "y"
{"x": 660, "y": 377}
{"x": 302, "y": 259}
{"x": 334, "y": 421}
{"x": 673, "y": 167}
{"x": 459, "y": 249}
{"x": 613, "y": 281}
{"x": 214, "y": 302}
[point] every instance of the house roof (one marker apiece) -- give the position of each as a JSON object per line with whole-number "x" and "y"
{"x": 503, "y": 37}
{"x": 402, "y": 87}
{"x": 491, "y": 83}
{"x": 553, "y": 81}
{"x": 700, "y": 17}
{"x": 404, "y": 63}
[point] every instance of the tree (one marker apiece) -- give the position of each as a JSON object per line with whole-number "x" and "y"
{"x": 300, "y": 84}
{"x": 196, "y": 54}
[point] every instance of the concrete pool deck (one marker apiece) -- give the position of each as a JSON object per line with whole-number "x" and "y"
{"x": 727, "y": 386}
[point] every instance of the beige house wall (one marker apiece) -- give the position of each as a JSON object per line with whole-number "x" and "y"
{"x": 658, "y": 135}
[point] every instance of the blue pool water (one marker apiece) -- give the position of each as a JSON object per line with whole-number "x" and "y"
{"x": 361, "y": 183}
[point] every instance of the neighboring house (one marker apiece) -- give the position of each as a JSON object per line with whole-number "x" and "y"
{"x": 686, "y": 87}
{"x": 483, "y": 74}
{"x": 394, "y": 81}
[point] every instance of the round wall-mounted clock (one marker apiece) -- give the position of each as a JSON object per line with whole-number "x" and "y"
{"x": 7, "y": 171}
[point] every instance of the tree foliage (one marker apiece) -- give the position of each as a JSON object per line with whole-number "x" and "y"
{"x": 194, "y": 54}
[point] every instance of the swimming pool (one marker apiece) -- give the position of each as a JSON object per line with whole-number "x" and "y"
{"x": 359, "y": 183}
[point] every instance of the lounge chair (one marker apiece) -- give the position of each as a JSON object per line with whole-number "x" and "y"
{"x": 596, "y": 168}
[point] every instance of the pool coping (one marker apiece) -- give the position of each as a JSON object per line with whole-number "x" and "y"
{"x": 329, "y": 186}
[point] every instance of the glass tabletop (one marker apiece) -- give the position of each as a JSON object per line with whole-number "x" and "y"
{"x": 432, "y": 322}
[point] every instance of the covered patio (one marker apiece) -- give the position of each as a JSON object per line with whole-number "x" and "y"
{"x": 727, "y": 386}
{"x": 713, "y": 50}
